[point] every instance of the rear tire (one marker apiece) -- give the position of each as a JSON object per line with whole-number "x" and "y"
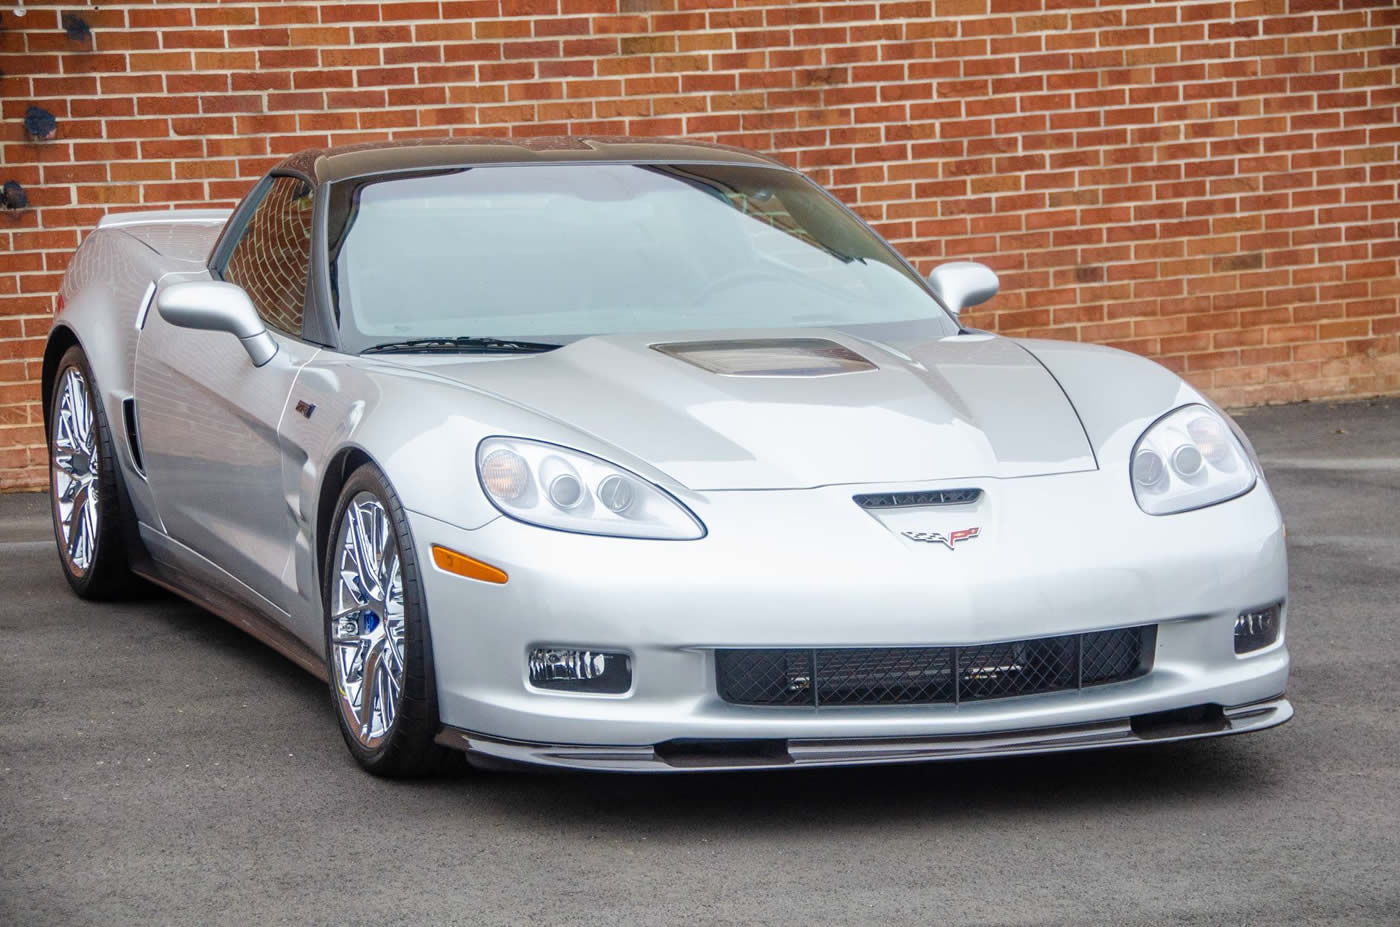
{"x": 83, "y": 484}
{"x": 378, "y": 648}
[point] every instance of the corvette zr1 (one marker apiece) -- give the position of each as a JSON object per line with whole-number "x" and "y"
{"x": 648, "y": 455}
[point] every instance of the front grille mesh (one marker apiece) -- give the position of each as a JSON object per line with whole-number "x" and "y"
{"x": 930, "y": 675}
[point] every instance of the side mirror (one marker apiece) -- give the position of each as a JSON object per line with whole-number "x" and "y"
{"x": 211, "y": 305}
{"x": 963, "y": 284}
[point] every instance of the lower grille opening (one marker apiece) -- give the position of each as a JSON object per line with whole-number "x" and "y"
{"x": 1198, "y": 719}
{"x": 932, "y": 675}
{"x": 696, "y": 753}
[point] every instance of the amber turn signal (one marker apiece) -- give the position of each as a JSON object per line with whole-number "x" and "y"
{"x": 462, "y": 565}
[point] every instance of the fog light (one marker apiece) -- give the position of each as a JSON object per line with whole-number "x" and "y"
{"x": 596, "y": 671}
{"x": 1257, "y": 628}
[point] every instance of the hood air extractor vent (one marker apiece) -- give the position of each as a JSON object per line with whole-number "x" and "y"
{"x": 895, "y": 500}
{"x": 769, "y": 357}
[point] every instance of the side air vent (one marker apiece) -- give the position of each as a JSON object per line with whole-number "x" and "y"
{"x": 133, "y": 434}
{"x": 895, "y": 500}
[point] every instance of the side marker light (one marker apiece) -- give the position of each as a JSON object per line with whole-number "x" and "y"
{"x": 452, "y": 562}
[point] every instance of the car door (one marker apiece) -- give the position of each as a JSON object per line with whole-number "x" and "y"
{"x": 209, "y": 419}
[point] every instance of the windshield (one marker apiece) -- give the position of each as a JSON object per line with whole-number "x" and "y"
{"x": 553, "y": 253}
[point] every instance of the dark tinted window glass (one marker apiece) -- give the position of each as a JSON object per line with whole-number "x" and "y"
{"x": 272, "y": 258}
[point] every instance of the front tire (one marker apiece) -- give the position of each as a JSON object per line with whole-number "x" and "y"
{"x": 378, "y": 647}
{"x": 87, "y": 517}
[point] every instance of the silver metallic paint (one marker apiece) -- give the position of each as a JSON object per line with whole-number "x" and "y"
{"x": 230, "y": 517}
{"x": 212, "y": 305}
{"x": 963, "y": 284}
{"x": 962, "y": 405}
{"x": 210, "y": 436}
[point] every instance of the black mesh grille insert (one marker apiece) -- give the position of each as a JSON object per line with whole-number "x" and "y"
{"x": 927, "y": 675}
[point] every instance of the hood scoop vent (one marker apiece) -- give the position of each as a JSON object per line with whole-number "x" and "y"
{"x": 768, "y": 357}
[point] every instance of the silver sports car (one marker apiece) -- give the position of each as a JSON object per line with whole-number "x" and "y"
{"x": 648, "y": 455}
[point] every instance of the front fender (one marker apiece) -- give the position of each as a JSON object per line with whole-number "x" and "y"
{"x": 1116, "y": 394}
{"x": 422, "y": 431}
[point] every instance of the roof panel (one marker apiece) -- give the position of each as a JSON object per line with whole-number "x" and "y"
{"x": 329, "y": 164}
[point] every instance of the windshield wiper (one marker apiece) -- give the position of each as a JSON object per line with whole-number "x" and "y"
{"x": 462, "y": 345}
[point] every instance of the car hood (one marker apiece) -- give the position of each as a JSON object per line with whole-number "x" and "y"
{"x": 960, "y": 406}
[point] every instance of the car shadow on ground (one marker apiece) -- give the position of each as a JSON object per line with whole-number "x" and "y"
{"x": 970, "y": 790}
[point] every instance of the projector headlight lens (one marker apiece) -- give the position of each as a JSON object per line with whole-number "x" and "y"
{"x": 616, "y": 493}
{"x": 1186, "y": 461}
{"x": 1208, "y": 463}
{"x": 547, "y": 485}
{"x": 1147, "y": 468}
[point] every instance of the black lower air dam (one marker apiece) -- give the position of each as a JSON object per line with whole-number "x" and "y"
{"x": 1180, "y": 722}
{"x": 697, "y": 754}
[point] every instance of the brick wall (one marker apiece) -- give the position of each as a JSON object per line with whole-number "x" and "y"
{"x": 1212, "y": 184}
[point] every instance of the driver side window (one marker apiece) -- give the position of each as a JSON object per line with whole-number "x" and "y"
{"x": 272, "y": 259}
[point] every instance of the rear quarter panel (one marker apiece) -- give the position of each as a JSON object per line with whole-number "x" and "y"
{"x": 104, "y": 291}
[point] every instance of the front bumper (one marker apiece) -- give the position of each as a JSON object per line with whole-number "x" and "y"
{"x": 716, "y": 756}
{"x": 809, "y": 568}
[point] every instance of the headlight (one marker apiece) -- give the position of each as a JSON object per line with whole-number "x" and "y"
{"x": 554, "y": 487}
{"x": 1189, "y": 459}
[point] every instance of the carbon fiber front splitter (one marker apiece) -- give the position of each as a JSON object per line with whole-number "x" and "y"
{"x": 716, "y": 755}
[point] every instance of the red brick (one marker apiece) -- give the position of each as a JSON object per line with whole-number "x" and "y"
{"x": 1213, "y": 184}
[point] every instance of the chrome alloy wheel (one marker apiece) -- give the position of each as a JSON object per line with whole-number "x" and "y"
{"x": 74, "y": 462}
{"x": 367, "y": 621}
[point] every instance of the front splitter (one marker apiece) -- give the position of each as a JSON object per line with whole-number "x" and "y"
{"x": 720, "y": 755}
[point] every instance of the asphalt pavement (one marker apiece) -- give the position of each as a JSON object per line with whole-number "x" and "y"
{"x": 159, "y": 766}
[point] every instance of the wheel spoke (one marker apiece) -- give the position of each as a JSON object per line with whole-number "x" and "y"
{"x": 393, "y": 648}
{"x": 63, "y": 431}
{"x": 71, "y": 488}
{"x": 89, "y": 533}
{"x": 388, "y": 572}
{"x": 387, "y": 694}
{"x": 367, "y": 551}
{"x": 349, "y": 654}
{"x": 84, "y": 418}
{"x": 362, "y": 556}
{"x": 77, "y": 518}
{"x": 72, "y": 388}
{"x": 369, "y": 687}
{"x": 388, "y": 552}
{"x": 70, "y": 399}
